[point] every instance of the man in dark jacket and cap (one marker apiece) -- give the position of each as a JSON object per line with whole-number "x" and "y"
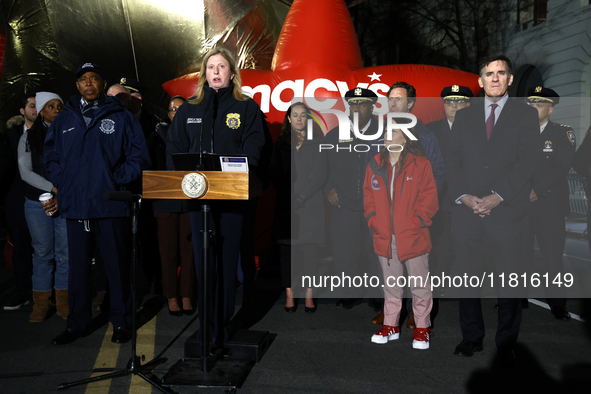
{"x": 455, "y": 98}
{"x": 344, "y": 191}
{"x": 93, "y": 147}
{"x": 549, "y": 197}
{"x": 148, "y": 119}
{"x": 149, "y": 253}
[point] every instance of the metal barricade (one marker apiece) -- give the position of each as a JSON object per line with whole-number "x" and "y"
{"x": 577, "y": 196}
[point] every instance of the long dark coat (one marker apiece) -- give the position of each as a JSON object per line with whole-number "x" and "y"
{"x": 299, "y": 174}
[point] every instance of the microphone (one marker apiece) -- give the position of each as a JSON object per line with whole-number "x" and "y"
{"x": 215, "y": 114}
{"x": 118, "y": 196}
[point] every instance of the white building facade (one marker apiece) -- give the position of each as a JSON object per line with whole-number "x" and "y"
{"x": 551, "y": 44}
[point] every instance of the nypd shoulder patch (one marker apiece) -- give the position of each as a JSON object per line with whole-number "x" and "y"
{"x": 571, "y": 137}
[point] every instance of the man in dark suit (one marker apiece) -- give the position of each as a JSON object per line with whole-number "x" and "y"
{"x": 491, "y": 157}
{"x": 344, "y": 191}
{"x": 454, "y": 98}
{"x": 14, "y": 206}
{"x": 549, "y": 194}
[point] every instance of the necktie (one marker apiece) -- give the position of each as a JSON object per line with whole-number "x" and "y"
{"x": 490, "y": 122}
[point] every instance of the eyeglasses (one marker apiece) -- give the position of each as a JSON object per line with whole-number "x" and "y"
{"x": 449, "y": 103}
{"x": 173, "y": 109}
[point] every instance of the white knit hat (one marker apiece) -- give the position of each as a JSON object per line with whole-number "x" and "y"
{"x": 41, "y": 98}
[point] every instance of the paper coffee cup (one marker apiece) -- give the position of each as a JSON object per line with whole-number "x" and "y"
{"x": 45, "y": 197}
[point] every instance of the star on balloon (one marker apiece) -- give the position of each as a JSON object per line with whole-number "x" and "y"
{"x": 375, "y": 76}
{"x": 318, "y": 56}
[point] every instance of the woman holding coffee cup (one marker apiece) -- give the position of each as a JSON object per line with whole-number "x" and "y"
{"x": 48, "y": 229}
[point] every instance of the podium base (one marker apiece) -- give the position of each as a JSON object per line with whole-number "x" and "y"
{"x": 229, "y": 374}
{"x": 246, "y": 345}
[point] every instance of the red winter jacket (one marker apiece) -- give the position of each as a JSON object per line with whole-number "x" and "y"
{"x": 415, "y": 203}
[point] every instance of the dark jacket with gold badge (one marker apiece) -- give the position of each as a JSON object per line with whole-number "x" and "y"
{"x": 557, "y": 151}
{"x": 219, "y": 124}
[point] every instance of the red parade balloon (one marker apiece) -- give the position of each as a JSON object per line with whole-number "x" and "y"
{"x": 317, "y": 55}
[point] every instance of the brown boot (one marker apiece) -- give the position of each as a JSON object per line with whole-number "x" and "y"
{"x": 61, "y": 301}
{"x": 410, "y": 323}
{"x": 41, "y": 306}
{"x": 379, "y": 319}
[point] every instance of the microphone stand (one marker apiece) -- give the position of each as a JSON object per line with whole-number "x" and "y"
{"x": 206, "y": 235}
{"x": 134, "y": 366}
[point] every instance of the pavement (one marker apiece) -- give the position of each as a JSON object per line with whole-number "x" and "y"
{"x": 576, "y": 225}
{"x": 325, "y": 352}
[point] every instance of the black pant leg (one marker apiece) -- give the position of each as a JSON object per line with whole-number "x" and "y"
{"x": 468, "y": 238}
{"x": 508, "y": 323}
{"x": 372, "y": 265}
{"x": 223, "y": 263}
{"x": 285, "y": 260}
{"x": 346, "y": 236}
{"x": 247, "y": 252}
{"x": 231, "y": 230}
{"x": 310, "y": 260}
{"x": 22, "y": 261}
{"x": 101, "y": 281}
{"x": 550, "y": 233}
{"x": 148, "y": 251}
{"x": 113, "y": 239}
{"x": 81, "y": 247}
{"x": 471, "y": 321}
{"x": 443, "y": 247}
{"x": 506, "y": 245}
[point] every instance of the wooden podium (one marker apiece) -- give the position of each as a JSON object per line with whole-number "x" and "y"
{"x": 207, "y": 369}
{"x": 219, "y": 185}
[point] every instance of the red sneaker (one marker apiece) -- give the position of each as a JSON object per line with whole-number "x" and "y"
{"x": 386, "y": 333}
{"x": 421, "y": 338}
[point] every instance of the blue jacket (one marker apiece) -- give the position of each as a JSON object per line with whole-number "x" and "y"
{"x": 84, "y": 162}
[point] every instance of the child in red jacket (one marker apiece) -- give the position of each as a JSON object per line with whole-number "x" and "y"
{"x": 400, "y": 198}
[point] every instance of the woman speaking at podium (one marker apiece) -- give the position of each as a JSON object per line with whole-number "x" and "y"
{"x": 219, "y": 119}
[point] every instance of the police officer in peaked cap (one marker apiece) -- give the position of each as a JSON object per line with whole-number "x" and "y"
{"x": 549, "y": 197}
{"x": 344, "y": 191}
